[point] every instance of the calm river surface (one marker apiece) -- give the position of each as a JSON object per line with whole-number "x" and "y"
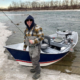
{"x": 50, "y": 21}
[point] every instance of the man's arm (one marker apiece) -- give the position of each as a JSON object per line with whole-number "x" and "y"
{"x": 24, "y": 47}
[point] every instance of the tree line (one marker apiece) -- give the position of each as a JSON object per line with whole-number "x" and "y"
{"x": 50, "y": 5}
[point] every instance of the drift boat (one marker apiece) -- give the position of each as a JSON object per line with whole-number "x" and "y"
{"x": 53, "y": 48}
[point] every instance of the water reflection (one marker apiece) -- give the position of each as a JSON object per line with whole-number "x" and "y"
{"x": 64, "y": 64}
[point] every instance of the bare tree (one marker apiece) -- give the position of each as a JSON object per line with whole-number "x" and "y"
{"x": 34, "y": 4}
{"x": 58, "y": 4}
{"x": 51, "y": 3}
{"x": 21, "y": 4}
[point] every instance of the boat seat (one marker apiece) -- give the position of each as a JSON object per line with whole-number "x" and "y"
{"x": 44, "y": 46}
{"x": 58, "y": 39}
{"x": 57, "y": 45}
{"x": 45, "y": 42}
{"x": 64, "y": 33}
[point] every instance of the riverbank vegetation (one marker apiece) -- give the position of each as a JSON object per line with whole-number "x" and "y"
{"x": 50, "y": 5}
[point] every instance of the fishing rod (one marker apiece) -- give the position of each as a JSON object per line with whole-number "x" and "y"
{"x": 11, "y": 21}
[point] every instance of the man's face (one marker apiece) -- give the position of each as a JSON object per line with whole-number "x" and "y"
{"x": 29, "y": 22}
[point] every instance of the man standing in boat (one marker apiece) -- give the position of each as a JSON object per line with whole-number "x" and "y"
{"x": 33, "y": 35}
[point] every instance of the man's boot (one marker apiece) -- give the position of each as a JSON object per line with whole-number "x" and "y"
{"x": 36, "y": 76}
{"x": 32, "y": 70}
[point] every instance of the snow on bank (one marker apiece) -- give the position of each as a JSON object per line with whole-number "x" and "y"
{"x": 3, "y": 37}
{"x": 11, "y": 70}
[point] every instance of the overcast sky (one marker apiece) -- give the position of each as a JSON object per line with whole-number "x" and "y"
{"x": 6, "y": 3}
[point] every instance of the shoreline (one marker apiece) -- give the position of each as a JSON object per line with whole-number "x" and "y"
{"x": 46, "y": 10}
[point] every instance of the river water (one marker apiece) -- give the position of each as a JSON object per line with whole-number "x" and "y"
{"x": 50, "y": 21}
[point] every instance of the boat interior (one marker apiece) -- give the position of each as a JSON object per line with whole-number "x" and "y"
{"x": 56, "y": 43}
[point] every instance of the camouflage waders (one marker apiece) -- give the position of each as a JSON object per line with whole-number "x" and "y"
{"x": 34, "y": 52}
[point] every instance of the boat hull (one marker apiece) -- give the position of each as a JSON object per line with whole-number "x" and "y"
{"x": 23, "y": 58}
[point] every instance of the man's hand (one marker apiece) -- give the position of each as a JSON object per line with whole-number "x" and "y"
{"x": 24, "y": 49}
{"x": 31, "y": 41}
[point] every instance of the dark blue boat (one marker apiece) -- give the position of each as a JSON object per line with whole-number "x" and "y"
{"x": 57, "y": 49}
